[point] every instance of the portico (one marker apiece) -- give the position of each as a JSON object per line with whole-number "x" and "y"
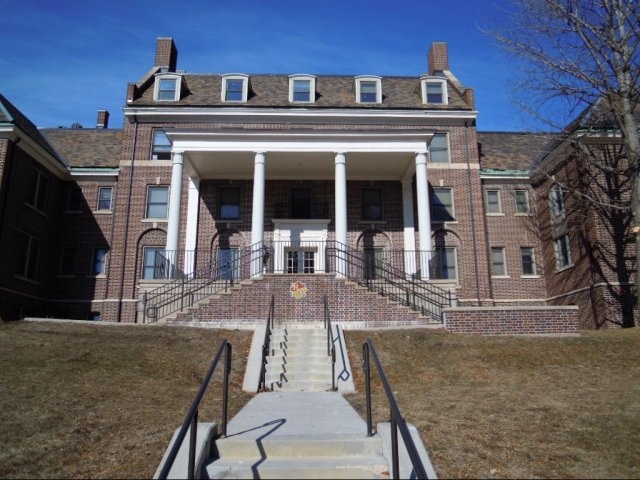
{"x": 261, "y": 156}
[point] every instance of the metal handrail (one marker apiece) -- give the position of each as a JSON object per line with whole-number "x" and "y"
{"x": 331, "y": 348}
{"x": 397, "y": 421}
{"x": 265, "y": 345}
{"x": 191, "y": 420}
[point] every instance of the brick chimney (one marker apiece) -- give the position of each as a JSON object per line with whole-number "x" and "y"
{"x": 103, "y": 119}
{"x": 166, "y": 54}
{"x": 438, "y": 57}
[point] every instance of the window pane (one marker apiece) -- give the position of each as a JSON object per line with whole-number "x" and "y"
{"x": 233, "y": 90}
{"x": 149, "y": 270}
{"x": 301, "y": 90}
{"x": 443, "y": 264}
{"x": 368, "y": 92}
{"x": 434, "y": 92}
{"x": 442, "y": 204}
{"x": 528, "y": 263}
{"x": 522, "y": 201}
{"x": 371, "y": 204}
{"x": 157, "y": 202}
{"x": 229, "y": 203}
{"x": 161, "y": 149}
{"x": 563, "y": 252}
{"x": 99, "y": 261}
{"x": 556, "y": 200}
{"x": 439, "y": 148}
{"x": 104, "y": 198}
{"x": 67, "y": 261}
{"x": 493, "y": 201}
{"x": 497, "y": 262}
{"x": 167, "y": 89}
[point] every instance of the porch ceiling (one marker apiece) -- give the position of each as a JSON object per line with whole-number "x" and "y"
{"x": 300, "y": 165}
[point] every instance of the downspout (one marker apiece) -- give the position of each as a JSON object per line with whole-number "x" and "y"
{"x": 473, "y": 222}
{"x": 126, "y": 224}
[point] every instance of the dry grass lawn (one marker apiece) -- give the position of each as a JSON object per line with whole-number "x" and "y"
{"x": 102, "y": 401}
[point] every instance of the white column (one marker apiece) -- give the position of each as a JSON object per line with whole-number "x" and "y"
{"x": 340, "y": 211}
{"x": 424, "y": 214}
{"x": 173, "y": 222}
{"x": 257, "y": 219}
{"x": 191, "y": 240}
{"x": 409, "y": 228}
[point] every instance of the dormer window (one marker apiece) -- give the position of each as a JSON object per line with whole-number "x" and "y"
{"x": 302, "y": 88}
{"x": 368, "y": 90}
{"x": 167, "y": 88}
{"x": 434, "y": 91}
{"x": 235, "y": 88}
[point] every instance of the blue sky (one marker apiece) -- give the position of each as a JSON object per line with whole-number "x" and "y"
{"x": 63, "y": 60}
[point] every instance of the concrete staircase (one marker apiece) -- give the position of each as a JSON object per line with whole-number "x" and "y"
{"x": 298, "y": 360}
{"x": 298, "y": 435}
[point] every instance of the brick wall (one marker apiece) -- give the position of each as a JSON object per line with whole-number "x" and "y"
{"x": 512, "y": 321}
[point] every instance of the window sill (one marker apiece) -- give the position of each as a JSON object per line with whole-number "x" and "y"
{"x": 568, "y": 267}
{"x": 63, "y": 276}
{"x": 97, "y": 276}
{"x": 26, "y": 279}
{"x": 521, "y": 214}
{"x": 36, "y": 209}
{"x": 103, "y": 212}
{"x": 155, "y": 220}
{"x": 500, "y": 276}
{"x": 496, "y": 214}
{"x": 530, "y": 276}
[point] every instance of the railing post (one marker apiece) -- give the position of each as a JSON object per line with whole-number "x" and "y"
{"x": 394, "y": 447}
{"x": 225, "y": 391}
{"x": 192, "y": 445}
{"x": 367, "y": 382}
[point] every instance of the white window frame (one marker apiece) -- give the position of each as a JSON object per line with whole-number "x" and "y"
{"x": 39, "y": 195}
{"x": 29, "y": 257}
{"x": 312, "y": 88}
{"x": 556, "y": 201}
{"x": 526, "y": 198}
{"x": 534, "y": 269}
{"x": 235, "y": 77}
{"x": 146, "y": 208}
{"x": 160, "y": 148}
{"x": 369, "y": 78}
{"x": 95, "y": 261}
{"x": 562, "y": 262}
{"x": 425, "y": 81}
{"x": 99, "y": 200}
{"x": 145, "y": 266}
{"x": 165, "y": 76}
{"x": 447, "y": 147}
{"x": 500, "y": 250}
{"x": 498, "y": 204}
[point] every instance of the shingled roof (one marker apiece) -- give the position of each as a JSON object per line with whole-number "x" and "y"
{"x": 511, "y": 151}
{"x": 81, "y": 147}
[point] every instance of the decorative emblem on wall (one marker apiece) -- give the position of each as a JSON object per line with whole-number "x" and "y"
{"x": 298, "y": 290}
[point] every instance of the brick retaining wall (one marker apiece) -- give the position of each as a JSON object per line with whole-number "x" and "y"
{"x": 512, "y": 321}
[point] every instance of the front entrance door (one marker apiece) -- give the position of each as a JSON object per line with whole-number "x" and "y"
{"x": 228, "y": 263}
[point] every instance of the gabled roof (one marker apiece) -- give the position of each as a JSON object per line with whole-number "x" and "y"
{"x": 81, "y": 147}
{"x": 332, "y": 91}
{"x": 10, "y": 115}
{"x": 511, "y": 151}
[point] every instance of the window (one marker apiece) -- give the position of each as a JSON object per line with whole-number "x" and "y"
{"x": 442, "y": 205}
{"x": 528, "y": 261}
{"x": 439, "y": 148}
{"x": 28, "y": 257}
{"x": 443, "y": 264}
{"x": 498, "y": 265}
{"x": 74, "y": 199}
{"x": 556, "y": 201}
{"x": 434, "y": 91}
{"x": 302, "y": 89}
{"x": 157, "y": 201}
{"x": 368, "y": 90}
{"x": 372, "y": 204}
{"x": 161, "y": 148}
{"x": 39, "y": 183}
{"x": 104, "y": 198}
{"x": 99, "y": 261}
{"x": 300, "y": 203}
{"x": 493, "y": 201}
{"x": 300, "y": 260}
{"x": 167, "y": 88}
{"x": 229, "y": 203}
{"x": 152, "y": 264}
{"x": 234, "y": 88}
{"x": 563, "y": 252}
{"x": 522, "y": 201}
{"x": 67, "y": 266}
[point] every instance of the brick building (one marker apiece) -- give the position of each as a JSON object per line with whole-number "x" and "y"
{"x": 296, "y": 186}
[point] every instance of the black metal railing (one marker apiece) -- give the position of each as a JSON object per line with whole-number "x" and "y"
{"x": 215, "y": 277}
{"x": 266, "y": 345}
{"x": 387, "y": 279}
{"x": 190, "y": 423}
{"x": 331, "y": 348}
{"x": 397, "y": 421}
